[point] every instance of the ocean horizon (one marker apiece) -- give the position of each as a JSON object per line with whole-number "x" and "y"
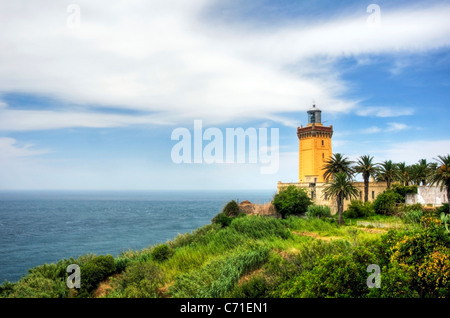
{"x": 44, "y": 226}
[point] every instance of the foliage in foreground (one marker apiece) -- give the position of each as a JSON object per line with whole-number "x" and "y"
{"x": 257, "y": 256}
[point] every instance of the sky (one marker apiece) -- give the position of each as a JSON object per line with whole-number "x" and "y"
{"x": 91, "y": 92}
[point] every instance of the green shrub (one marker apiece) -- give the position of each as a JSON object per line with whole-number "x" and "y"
{"x": 291, "y": 201}
{"x": 397, "y": 281}
{"x": 121, "y": 263}
{"x": 231, "y": 209}
{"x": 416, "y": 263}
{"x": 283, "y": 273}
{"x": 255, "y": 287}
{"x": 386, "y": 202}
{"x": 318, "y": 211}
{"x": 222, "y": 220}
{"x": 358, "y": 209}
{"x": 141, "y": 280}
{"x": 433, "y": 274}
{"x": 6, "y": 288}
{"x": 161, "y": 252}
{"x": 96, "y": 270}
{"x": 413, "y": 248}
{"x": 37, "y": 286}
{"x": 413, "y": 216}
{"x": 334, "y": 275}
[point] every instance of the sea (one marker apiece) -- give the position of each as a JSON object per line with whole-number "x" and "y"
{"x": 38, "y": 227}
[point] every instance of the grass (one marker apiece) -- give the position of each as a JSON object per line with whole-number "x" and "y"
{"x": 254, "y": 255}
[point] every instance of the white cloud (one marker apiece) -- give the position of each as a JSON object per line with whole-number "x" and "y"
{"x": 391, "y": 127}
{"x": 371, "y": 130}
{"x": 27, "y": 120}
{"x": 396, "y": 127}
{"x": 163, "y": 57}
{"x": 384, "y": 111}
{"x": 11, "y": 150}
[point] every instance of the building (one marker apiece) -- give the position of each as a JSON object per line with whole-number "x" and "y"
{"x": 315, "y": 148}
{"x": 426, "y": 195}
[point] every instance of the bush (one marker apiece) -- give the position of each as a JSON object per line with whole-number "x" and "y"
{"x": 222, "y": 220}
{"x": 96, "y": 270}
{"x": 255, "y": 287}
{"x": 161, "y": 253}
{"x": 231, "y": 209}
{"x": 38, "y": 286}
{"x": 433, "y": 274}
{"x": 121, "y": 263}
{"x": 413, "y": 216}
{"x": 318, "y": 211}
{"x": 291, "y": 201}
{"x": 386, "y": 202}
{"x": 397, "y": 281}
{"x": 358, "y": 209}
{"x": 141, "y": 280}
{"x": 334, "y": 275}
{"x": 415, "y": 263}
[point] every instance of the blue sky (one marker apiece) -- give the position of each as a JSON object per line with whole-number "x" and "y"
{"x": 92, "y": 103}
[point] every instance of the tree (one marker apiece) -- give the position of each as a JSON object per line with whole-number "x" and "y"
{"x": 403, "y": 173}
{"x": 367, "y": 168}
{"x": 441, "y": 175}
{"x": 423, "y": 171}
{"x": 337, "y": 163}
{"x": 339, "y": 188}
{"x": 386, "y": 172}
{"x": 291, "y": 200}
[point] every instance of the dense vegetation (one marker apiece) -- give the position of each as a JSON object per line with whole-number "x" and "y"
{"x": 252, "y": 256}
{"x": 393, "y": 173}
{"x": 306, "y": 253}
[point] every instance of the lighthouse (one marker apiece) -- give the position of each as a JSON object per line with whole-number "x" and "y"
{"x": 314, "y": 147}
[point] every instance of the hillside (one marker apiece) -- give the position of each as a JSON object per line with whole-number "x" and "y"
{"x": 255, "y": 256}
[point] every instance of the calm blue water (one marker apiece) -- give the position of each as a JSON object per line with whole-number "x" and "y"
{"x": 38, "y": 227}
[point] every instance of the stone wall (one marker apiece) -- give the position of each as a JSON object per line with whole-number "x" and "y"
{"x": 266, "y": 209}
{"x": 427, "y": 196}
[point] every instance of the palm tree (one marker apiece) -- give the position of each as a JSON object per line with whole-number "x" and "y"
{"x": 367, "y": 168}
{"x": 341, "y": 187}
{"x": 424, "y": 171}
{"x": 420, "y": 172}
{"x": 337, "y": 163}
{"x": 403, "y": 172}
{"x": 386, "y": 172}
{"x": 441, "y": 176}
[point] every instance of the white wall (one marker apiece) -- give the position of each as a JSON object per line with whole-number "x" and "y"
{"x": 427, "y": 195}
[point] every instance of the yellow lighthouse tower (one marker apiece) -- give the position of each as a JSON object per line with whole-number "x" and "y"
{"x": 314, "y": 147}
